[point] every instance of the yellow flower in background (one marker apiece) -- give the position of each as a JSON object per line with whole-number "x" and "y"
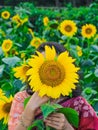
{"x": 5, "y": 15}
{"x": 96, "y": 37}
{"x": 22, "y": 55}
{"x": 36, "y": 42}
{"x": 18, "y": 20}
{"x": 68, "y": 28}
{"x": 2, "y": 33}
{"x": 31, "y": 32}
{"x": 20, "y": 72}
{"x": 79, "y": 50}
{"x": 15, "y": 52}
{"x": 52, "y": 75}
{"x": 45, "y": 21}
{"x": 24, "y": 21}
{"x": 1, "y": 92}
{"x": 7, "y": 45}
{"x": 5, "y": 105}
{"x": 88, "y": 30}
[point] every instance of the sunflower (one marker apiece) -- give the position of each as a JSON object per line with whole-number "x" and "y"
{"x": 79, "y": 51}
{"x": 18, "y": 20}
{"x": 6, "y": 45}
{"x": 20, "y": 72}
{"x": 23, "y": 55}
{"x": 36, "y": 42}
{"x": 5, "y": 15}
{"x": 68, "y": 28}
{"x": 52, "y": 75}
{"x": 45, "y": 21}
{"x": 5, "y": 105}
{"x": 88, "y": 30}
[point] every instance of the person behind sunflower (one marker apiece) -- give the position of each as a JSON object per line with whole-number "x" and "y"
{"x": 52, "y": 76}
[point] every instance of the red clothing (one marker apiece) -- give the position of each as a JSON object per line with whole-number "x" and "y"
{"x": 88, "y": 118}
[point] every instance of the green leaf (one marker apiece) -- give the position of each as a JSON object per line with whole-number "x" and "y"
{"x": 38, "y": 123}
{"x": 1, "y": 70}
{"x": 71, "y": 115}
{"x": 7, "y": 86}
{"x": 11, "y": 61}
{"x": 96, "y": 72}
{"x": 26, "y": 101}
{"x": 49, "y": 108}
{"x": 94, "y": 48}
{"x": 87, "y": 63}
{"x": 1, "y": 52}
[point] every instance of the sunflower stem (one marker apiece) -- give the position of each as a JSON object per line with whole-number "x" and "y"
{"x": 68, "y": 44}
{"x": 88, "y": 49}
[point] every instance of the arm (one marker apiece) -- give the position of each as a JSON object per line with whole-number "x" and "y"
{"x": 27, "y": 115}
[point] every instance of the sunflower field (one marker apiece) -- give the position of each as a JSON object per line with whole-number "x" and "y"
{"x": 24, "y": 27}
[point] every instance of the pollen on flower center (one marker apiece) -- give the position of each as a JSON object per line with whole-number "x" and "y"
{"x": 68, "y": 28}
{"x": 51, "y": 73}
{"x": 88, "y": 30}
{"x": 6, "y": 107}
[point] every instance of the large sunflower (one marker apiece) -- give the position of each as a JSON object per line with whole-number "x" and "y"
{"x": 6, "y": 45}
{"x": 20, "y": 72}
{"x": 52, "y": 75}
{"x": 5, "y": 15}
{"x": 68, "y": 28}
{"x": 5, "y": 105}
{"x": 88, "y": 30}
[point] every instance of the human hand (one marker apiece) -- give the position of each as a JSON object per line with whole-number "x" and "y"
{"x": 58, "y": 121}
{"x": 36, "y": 101}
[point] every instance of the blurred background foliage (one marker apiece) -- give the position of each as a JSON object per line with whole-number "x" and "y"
{"x": 29, "y": 25}
{"x": 50, "y": 3}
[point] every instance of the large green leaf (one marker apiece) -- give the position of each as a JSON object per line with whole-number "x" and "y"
{"x": 71, "y": 115}
{"x": 49, "y": 108}
{"x": 11, "y": 61}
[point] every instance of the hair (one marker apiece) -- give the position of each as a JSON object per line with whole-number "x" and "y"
{"x": 59, "y": 49}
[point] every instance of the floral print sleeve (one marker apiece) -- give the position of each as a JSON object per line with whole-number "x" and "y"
{"x": 16, "y": 109}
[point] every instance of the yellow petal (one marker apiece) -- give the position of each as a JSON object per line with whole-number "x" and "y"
{"x": 50, "y": 53}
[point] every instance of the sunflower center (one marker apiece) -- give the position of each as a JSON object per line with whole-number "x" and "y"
{"x": 36, "y": 42}
{"x": 5, "y": 14}
{"x": 6, "y": 107}
{"x": 68, "y": 28}
{"x": 88, "y": 31}
{"x": 7, "y": 45}
{"x": 51, "y": 73}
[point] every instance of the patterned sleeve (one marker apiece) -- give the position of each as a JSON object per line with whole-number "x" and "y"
{"x": 88, "y": 117}
{"x": 16, "y": 110}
